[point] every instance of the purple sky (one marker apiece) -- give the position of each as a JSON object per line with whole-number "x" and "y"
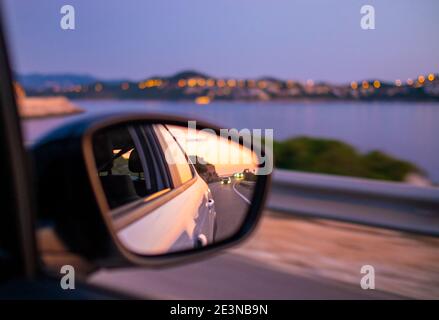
{"x": 309, "y": 39}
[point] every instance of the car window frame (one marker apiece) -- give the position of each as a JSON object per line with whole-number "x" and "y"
{"x": 141, "y": 142}
{"x": 18, "y": 223}
{"x": 129, "y": 213}
{"x": 149, "y": 142}
{"x": 173, "y": 167}
{"x": 156, "y": 180}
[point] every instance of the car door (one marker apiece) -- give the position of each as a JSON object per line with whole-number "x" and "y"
{"x": 185, "y": 220}
{"x": 204, "y": 215}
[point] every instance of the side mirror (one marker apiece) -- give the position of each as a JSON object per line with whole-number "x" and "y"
{"x": 149, "y": 190}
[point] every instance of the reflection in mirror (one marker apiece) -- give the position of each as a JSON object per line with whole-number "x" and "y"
{"x": 171, "y": 188}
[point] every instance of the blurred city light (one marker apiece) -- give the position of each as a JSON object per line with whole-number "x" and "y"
{"x": 98, "y": 87}
{"x": 377, "y": 84}
{"x": 365, "y": 85}
{"x": 354, "y": 85}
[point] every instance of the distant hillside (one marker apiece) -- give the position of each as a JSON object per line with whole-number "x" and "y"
{"x": 187, "y": 74}
{"x": 37, "y": 81}
{"x": 192, "y": 85}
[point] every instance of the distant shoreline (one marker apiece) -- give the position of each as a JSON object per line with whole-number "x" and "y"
{"x": 191, "y": 85}
{"x": 37, "y": 107}
{"x": 51, "y": 115}
{"x": 299, "y": 100}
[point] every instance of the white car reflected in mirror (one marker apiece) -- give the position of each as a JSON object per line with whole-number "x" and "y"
{"x": 168, "y": 192}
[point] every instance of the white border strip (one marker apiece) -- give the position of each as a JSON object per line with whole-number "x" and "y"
{"x": 240, "y": 194}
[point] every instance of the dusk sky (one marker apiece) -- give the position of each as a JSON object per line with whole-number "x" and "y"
{"x": 308, "y": 39}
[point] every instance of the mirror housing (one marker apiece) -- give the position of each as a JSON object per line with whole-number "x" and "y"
{"x": 71, "y": 202}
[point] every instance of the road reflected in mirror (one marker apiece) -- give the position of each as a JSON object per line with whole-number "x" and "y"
{"x": 170, "y": 188}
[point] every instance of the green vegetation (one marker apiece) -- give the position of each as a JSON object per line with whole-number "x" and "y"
{"x": 335, "y": 157}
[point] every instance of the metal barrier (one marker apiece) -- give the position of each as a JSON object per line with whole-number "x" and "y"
{"x": 396, "y": 206}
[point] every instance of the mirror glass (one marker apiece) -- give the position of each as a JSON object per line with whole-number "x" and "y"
{"x": 171, "y": 188}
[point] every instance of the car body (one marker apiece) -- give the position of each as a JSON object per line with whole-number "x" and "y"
{"x": 239, "y": 175}
{"x": 226, "y": 180}
{"x": 188, "y": 219}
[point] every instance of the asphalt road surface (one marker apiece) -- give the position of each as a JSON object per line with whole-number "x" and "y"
{"x": 228, "y": 276}
{"x": 230, "y": 207}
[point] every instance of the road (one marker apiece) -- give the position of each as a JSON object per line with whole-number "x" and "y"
{"x": 297, "y": 258}
{"x": 230, "y": 207}
{"x": 228, "y": 276}
{"x": 242, "y": 273}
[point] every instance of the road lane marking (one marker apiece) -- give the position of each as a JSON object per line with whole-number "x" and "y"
{"x": 240, "y": 194}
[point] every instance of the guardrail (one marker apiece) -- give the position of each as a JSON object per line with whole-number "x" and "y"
{"x": 396, "y": 206}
